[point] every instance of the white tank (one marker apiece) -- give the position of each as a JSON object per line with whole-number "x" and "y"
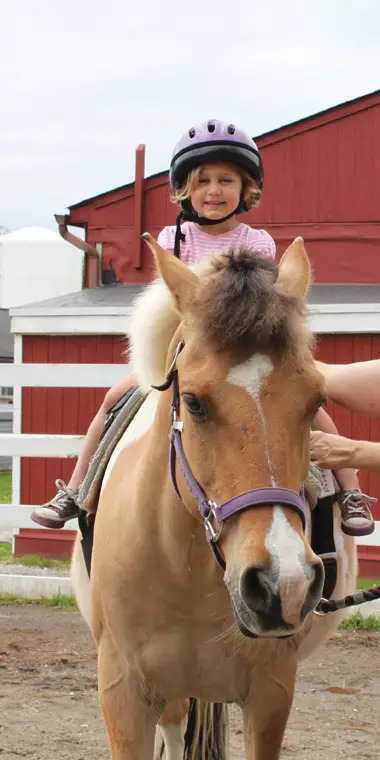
{"x": 36, "y": 264}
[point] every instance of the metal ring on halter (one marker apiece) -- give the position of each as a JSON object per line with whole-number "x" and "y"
{"x": 316, "y": 612}
{"x": 213, "y": 527}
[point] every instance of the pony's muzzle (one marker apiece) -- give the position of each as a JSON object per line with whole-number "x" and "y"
{"x": 280, "y": 604}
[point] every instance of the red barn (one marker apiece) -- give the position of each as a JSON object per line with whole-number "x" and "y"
{"x": 322, "y": 181}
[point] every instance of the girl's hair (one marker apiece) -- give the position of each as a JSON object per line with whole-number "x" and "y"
{"x": 251, "y": 191}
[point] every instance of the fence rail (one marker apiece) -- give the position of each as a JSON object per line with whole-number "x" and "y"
{"x": 18, "y": 444}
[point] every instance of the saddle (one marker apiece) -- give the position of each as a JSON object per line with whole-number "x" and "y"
{"x": 320, "y": 490}
{"x": 118, "y": 419}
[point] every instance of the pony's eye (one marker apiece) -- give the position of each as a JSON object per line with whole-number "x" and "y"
{"x": 196, "y": 406}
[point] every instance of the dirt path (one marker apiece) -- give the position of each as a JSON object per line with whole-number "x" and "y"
{"x": 49, "y": 709}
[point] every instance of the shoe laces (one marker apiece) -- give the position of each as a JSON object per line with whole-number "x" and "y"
{"x": 71, "y": 492}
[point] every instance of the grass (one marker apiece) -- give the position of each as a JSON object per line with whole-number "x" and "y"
{"x": 370, "y": 623}
{"x": 365, "y": 583}
{"x": 5, "y": 488}
{"x": 57, "y": 600}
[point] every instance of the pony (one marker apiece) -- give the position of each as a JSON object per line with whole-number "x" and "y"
{"x": 203, "y": 580}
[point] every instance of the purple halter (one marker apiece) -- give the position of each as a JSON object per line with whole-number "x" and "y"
{"x": 214, "y": 515}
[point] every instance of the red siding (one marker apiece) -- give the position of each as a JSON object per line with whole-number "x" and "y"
{"x": 61, "y": 410}
{"x": 322, "y": 181}
{"x": 70, "y": 410}
{"x": 342, "y": 349}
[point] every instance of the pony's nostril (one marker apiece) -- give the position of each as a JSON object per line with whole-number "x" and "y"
{"x": 254, "y": 589}
{"x": 316, "y": 586}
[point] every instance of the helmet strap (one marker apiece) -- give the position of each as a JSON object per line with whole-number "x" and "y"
{"x": 179, "y": 235}
{"x": 188, "y": 215}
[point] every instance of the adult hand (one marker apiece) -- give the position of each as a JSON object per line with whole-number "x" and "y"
{"x": 330, "y": 451}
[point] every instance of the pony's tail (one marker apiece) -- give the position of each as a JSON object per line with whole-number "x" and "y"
{"x": 206, "y": 736}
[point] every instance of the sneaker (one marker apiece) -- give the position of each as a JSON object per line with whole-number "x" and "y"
{"x": 61, "y": 508}
{"x": 357, "y": 519}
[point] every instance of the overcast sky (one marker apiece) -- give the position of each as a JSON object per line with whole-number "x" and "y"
{"x": 84, "y": 81}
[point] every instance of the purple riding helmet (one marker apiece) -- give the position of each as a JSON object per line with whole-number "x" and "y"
{"x": 215, "y": 140}
{"x": 212, "y": 141}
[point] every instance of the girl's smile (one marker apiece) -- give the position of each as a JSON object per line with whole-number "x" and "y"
{"x": 217, "y": 193}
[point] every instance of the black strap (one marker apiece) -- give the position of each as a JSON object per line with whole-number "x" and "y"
{"x": 86, "y": 526}
{"x": 188, "y": 215}
{"x": 179, "y": 236}
{"x": 322, "y": 541}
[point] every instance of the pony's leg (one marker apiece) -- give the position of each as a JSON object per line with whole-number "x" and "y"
{"x": 129, "y": 717}
{"x": 267, "y": 709}
{"x": 173, "y": 728}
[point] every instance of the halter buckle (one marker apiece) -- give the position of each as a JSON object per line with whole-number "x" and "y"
{"x": 211, "y": 522}
{"x": 320, "y": 613}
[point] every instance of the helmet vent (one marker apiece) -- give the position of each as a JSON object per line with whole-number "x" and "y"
{"x": 211, "y": 126}
{"x": 231, "y": 129}
{"x": 192, "y": 132}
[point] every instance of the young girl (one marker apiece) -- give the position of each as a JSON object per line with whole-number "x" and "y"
{"x": 216, "y": 173}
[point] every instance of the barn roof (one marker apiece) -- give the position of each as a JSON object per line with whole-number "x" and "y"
{"x": 123, "y": 296}
{"x": 119, "y": 296}
{"x": 332, "y": 111}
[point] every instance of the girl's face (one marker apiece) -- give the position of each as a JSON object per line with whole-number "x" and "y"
{"x": 218, "y": 191}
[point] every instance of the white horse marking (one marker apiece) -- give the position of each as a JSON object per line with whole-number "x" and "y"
{"x": 290, "y": 569}
{"x": 173, "y": 735}
{"x": 250, "y": 376}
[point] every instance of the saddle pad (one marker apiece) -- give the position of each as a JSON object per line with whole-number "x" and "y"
{"x": 90, "y": 488}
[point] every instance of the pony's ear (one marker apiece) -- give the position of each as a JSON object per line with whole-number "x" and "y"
{"x": 294, "y": 271}
{"x": 181, "y": 281}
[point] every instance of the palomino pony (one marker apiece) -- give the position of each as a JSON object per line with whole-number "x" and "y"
{"x": 222, "y": 614}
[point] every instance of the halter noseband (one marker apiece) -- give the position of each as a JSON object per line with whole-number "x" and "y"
{"x": 214, "y": 515}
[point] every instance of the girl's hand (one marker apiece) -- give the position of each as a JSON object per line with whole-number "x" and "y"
{"x": 330, "y": 451}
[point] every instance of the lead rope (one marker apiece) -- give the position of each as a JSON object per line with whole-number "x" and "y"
{"x": 351, "y": 600}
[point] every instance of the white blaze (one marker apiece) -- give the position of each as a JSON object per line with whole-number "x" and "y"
{"x": 291, "y": 573}
{"x": 250, "y": 376}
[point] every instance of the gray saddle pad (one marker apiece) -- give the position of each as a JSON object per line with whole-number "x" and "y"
{"x": 90, "y": 489}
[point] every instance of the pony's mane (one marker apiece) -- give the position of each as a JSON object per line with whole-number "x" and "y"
{"x": 239, "y": 310}
{"x": 153, "y": 323}
{"x": 242, "y": 312}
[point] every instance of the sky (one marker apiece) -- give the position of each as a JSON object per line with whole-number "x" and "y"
{"x": 83, "y": 82}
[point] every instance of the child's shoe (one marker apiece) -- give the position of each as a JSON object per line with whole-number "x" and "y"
{"x": 61, "y": 508}
{"x": 357, "y": 519}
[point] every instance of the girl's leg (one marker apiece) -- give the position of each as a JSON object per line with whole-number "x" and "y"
{"x": 357, "y": 519}
{"x": 63, "y": 506}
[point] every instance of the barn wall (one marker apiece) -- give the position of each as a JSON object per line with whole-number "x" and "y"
{"x": 322, "y": 181}
{"x": 343, "y": 349}
{"x": 61, "y": 410}
{"x": 70, "y": 410}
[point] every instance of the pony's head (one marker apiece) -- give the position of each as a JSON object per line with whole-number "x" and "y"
{"x": 248, "y": 392}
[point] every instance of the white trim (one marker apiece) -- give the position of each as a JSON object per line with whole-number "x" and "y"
{"x": 35, "y": 586}
{"x": 100, "y": 322}
{"x": 344, "y": 318}
{"x": 62, "y": 375}
{"x": 373, "y": 539}
{"x": 17, "y": 423}
{"x": 19, "y": 514}
{"x": 106, "y": 320}
{"x": 38, "y": 445}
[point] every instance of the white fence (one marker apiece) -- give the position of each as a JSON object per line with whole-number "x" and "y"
{"x": 18, "y": 444}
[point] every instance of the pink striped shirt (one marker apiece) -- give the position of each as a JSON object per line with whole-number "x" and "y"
{"x": 199, "y": 245}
